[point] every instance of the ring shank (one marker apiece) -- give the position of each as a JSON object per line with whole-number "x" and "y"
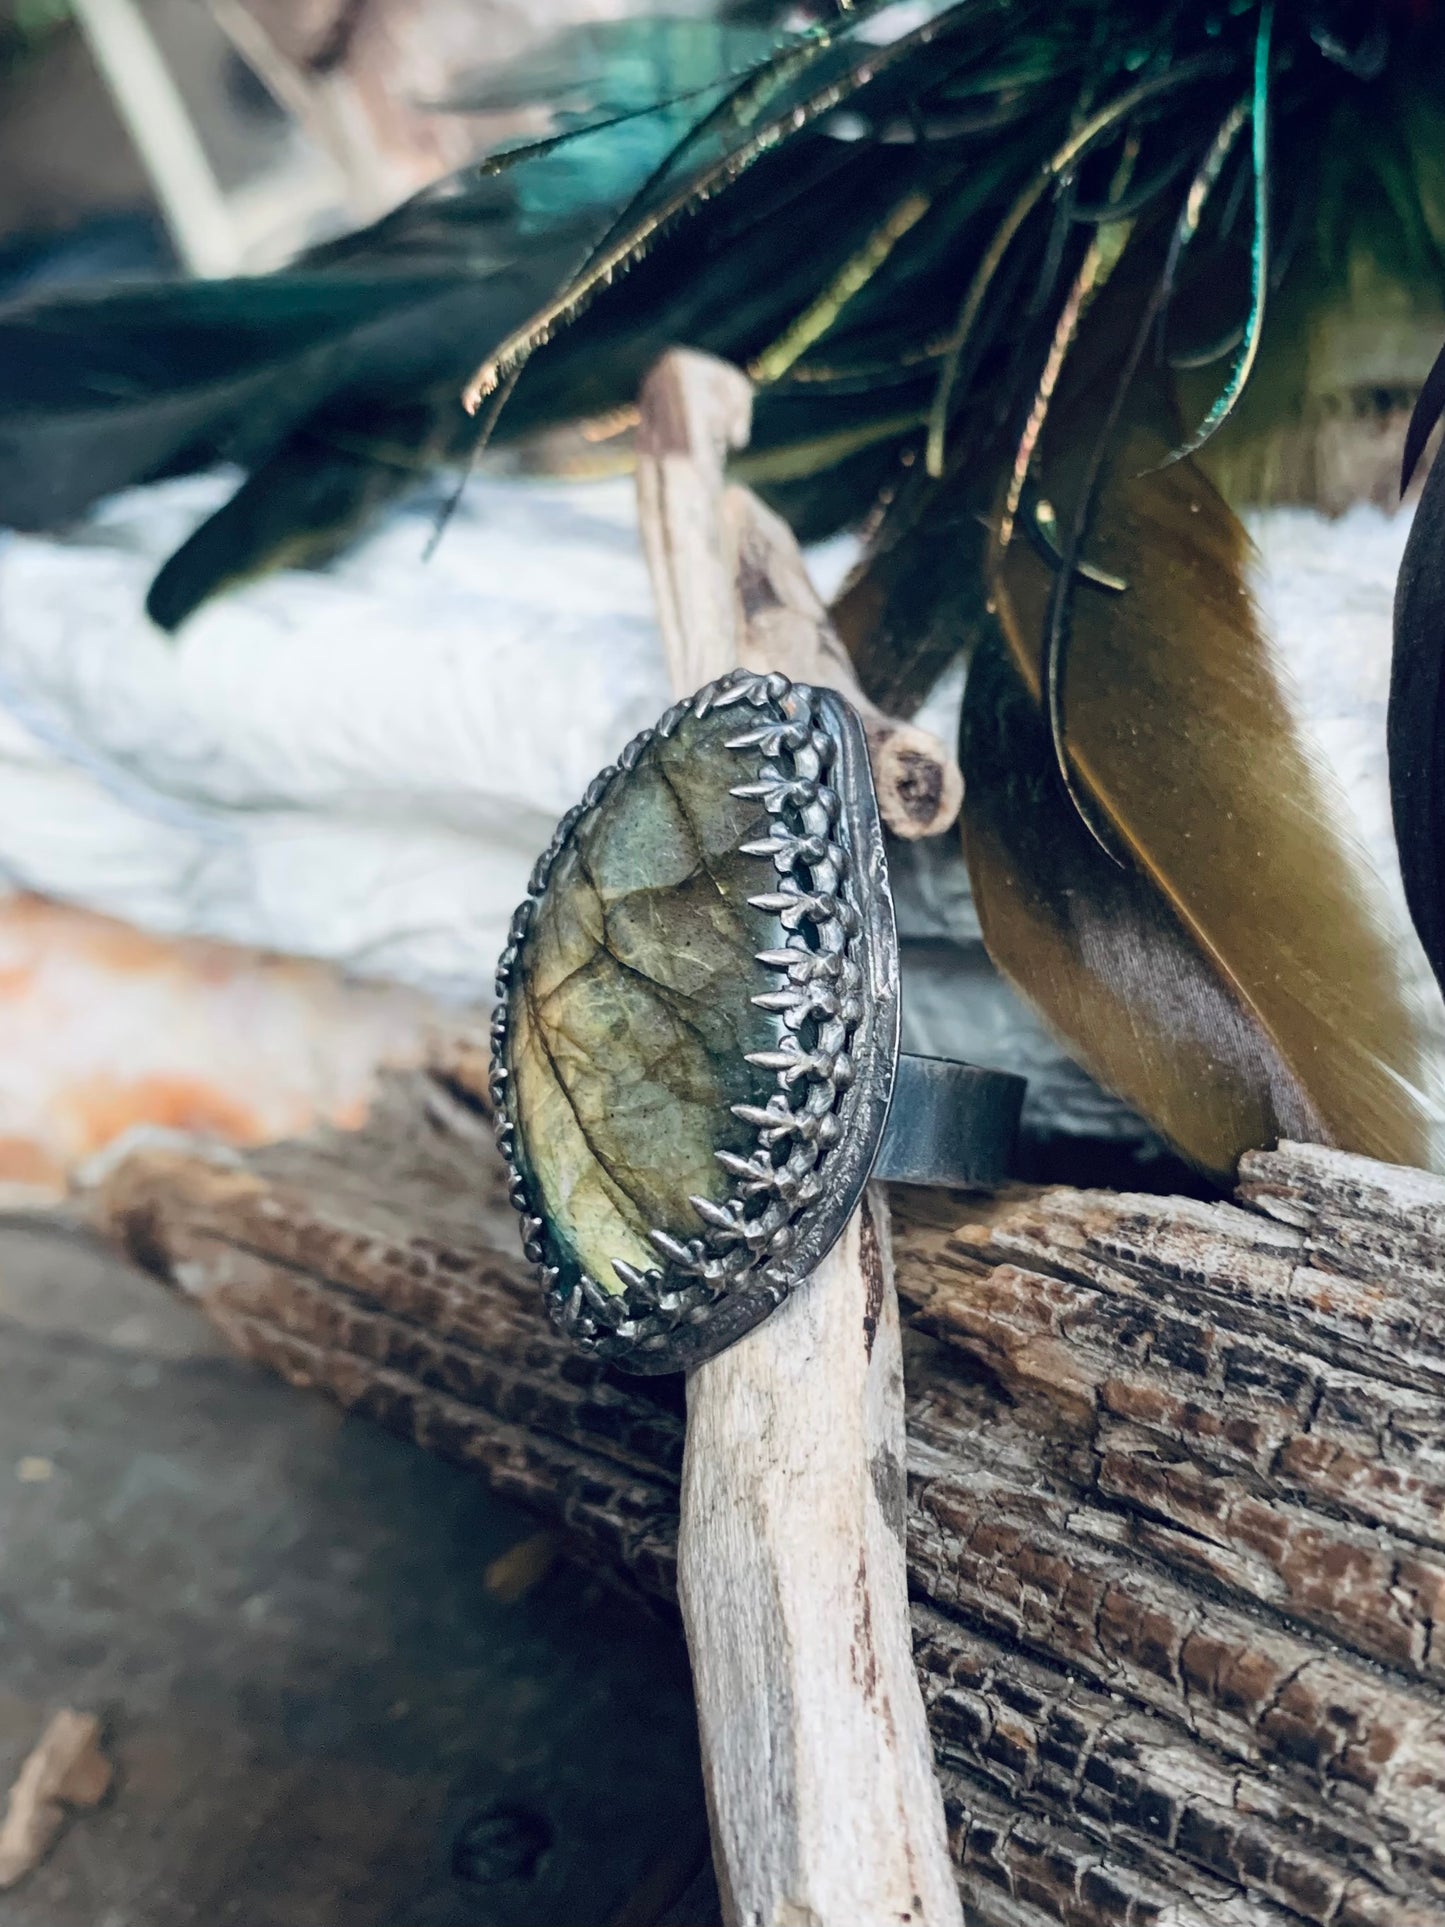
{"x": 949, "y": 1124}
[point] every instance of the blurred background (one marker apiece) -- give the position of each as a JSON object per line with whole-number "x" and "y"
{"x": 306, "y": 118}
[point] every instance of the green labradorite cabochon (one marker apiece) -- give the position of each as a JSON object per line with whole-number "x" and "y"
{"x": 629, "y": 1018}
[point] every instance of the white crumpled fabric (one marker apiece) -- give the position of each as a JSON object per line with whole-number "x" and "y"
{"x": 361, "y": 764}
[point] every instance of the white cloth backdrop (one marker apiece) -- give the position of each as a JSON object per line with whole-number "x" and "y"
{"x": 362, "y": 764}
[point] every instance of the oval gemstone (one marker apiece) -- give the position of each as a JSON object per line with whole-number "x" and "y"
{"x": 630, "y": 1014}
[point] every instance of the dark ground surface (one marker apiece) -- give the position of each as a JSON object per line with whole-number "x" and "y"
{"x": 321, "y": 1710}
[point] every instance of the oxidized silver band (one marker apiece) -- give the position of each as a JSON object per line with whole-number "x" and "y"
{"x": 828, "y": 1101}
{"x": 948, "y": 1124}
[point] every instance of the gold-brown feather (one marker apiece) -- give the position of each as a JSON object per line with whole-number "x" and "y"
{"x": 1182, "y": 739}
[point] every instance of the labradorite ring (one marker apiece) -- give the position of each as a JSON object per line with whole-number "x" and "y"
{"x": 695, "y": 1061}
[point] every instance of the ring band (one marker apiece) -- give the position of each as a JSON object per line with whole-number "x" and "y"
{"x": 695, "y": 1047}
{"x": 949, "y": 1124}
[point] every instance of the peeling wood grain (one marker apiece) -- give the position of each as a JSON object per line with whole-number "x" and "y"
{"x": 1173, "y": 1494}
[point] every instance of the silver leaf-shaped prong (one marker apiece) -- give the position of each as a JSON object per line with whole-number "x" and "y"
{"x": 746, "y": 1170}
{"x": 631, "y": 1278}
{"x": 780, "y": 1000}
{"x": 787, "y": 850}
{"x": 522, "y": 919}
{"x": 564, "y": 1307}
{"x": 753, "y": 792}
{"x": 793, "y": 905}
{"x": 816, "y": 1001}
{"x": 686, "y": 1257}
{"x": 771, "y": 738}
{"x": 609, "y": 1306}
{"x": 775, "y": 1060}
{"x": 775, "y": 1122}
{"x": 718, "y": 1216}
{"x": 738, "y": 686}
{"x": 778, "y": 1120}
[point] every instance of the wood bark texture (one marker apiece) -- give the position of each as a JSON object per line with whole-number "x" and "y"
{"x": 1175, "y": 1485}
{"x": 822, "y": 1799}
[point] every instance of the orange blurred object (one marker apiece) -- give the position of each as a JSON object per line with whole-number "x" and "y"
{"x": 104, "y": 1029}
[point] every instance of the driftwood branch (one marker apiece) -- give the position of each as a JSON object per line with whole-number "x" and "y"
{"x": 822, "y": 1801}
{"x": 723, "y": 564}
{"x": 1176, "y": 1486}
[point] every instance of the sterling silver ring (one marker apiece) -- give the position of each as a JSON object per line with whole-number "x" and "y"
{"x": 696, "y": 1064}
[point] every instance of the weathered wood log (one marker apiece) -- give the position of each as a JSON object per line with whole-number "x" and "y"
{"x": 1176, "y": 1508}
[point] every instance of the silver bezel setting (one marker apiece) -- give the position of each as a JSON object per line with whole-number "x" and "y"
{"x": 835, "y": 1003}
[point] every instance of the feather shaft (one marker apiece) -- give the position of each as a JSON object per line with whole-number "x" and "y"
{"x": 1056, "y": 636}
{"x": 1099, "y": 259}
{"x": 820, "y": 316}
{"x": 633, "y": 240}
{"x": 1228, "y": 399}
{"x": 1065, "y": 156}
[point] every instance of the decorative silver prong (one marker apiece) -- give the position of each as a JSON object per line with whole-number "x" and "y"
{"x": 773, "y": 739}
{"x": 743, "y": 1169}
{"x": 687, "y": 1257}
{"x": 609, "y": 1306}
{"x": 722, "y": 1218}
{"x": 775, "y": 1060}
{"x": 779, "y": 1000}
{"x": 521, "y": 922}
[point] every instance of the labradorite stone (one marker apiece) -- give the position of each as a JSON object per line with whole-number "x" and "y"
{"x": 630, "y": 1017}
